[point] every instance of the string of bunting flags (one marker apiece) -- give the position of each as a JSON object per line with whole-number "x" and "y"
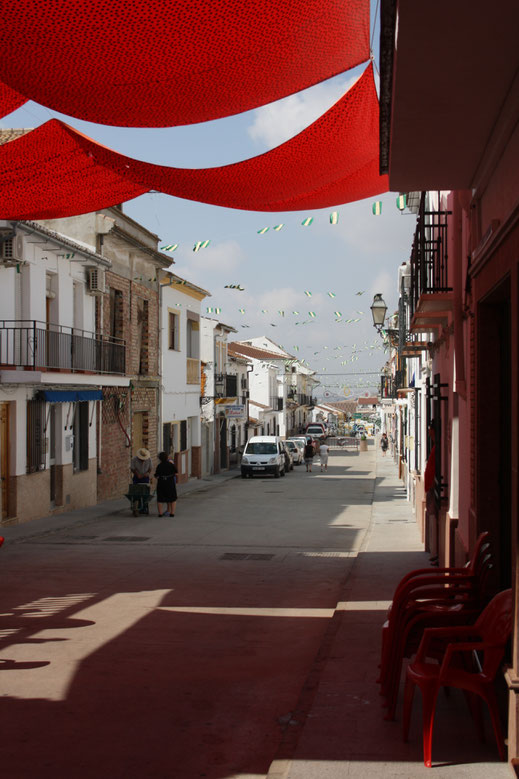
{"x": 401, "y": 204}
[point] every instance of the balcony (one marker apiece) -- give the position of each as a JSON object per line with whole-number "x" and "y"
{"x": 276, "y": 403}
{"x": 430, "y": 297}
{"x": 193, "y": 371}
{"x": 38, "y": 346}
{"x": 225, "y": 385}
{"x": 389, "y": 385}
{"x": 301, "y": 398}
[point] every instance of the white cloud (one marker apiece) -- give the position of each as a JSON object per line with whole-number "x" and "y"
{"x": 211, "y": 265}
{"x": 277, "y": 122}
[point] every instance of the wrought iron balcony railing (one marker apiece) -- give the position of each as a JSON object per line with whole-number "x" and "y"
{"x": 41, "y": 346}
{"x": 389, "y": 385}
{"x": 276, "y": 404}
{"x": 429, "y": 266}
{"x": 225, "y": 385}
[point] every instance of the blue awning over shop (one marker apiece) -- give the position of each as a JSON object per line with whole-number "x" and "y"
{"x": 69, "y": 396}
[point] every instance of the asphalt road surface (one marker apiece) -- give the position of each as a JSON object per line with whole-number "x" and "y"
{"x": 177, "y": 647}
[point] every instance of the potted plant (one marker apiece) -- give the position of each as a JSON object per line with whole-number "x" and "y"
{"x": 363, "y": 446}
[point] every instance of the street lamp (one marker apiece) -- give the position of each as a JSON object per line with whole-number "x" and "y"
{"x": 378, "y": 311}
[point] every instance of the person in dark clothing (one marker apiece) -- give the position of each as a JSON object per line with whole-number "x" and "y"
{"x": 309, "y": 454}
{"x": 166, "y": 485}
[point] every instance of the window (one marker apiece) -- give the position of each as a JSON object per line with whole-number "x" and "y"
{"x": 35, "y": 435}
{"x": 116, "y": 313}
{"x": 80, "y": 445}
{"x": 261, "y": 447}
{"x": 193, "y": 339}
{"x": 143, "y": 335}
{"x": 173, "y": 331}
{"x": 183, "y": 435}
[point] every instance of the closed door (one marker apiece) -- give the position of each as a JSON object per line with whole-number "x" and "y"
{"x": 52, "y": 453}
{"x": 4, "y": 457}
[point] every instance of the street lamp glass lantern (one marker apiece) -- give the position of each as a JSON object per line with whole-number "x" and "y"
{"x": 378, "y": 311}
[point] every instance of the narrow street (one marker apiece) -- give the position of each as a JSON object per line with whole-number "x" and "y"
{"x": 210, "y": 638}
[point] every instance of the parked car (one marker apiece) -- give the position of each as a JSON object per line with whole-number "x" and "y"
{"x": 300, "y": 441}
{"x": 317, "y": 429}
{"x": 263, "y": 454}
{"x": 289, "y": 460}
{"x": 296, "y": 452}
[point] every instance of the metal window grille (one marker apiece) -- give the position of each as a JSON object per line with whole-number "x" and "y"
{"x": 35, "y": 435}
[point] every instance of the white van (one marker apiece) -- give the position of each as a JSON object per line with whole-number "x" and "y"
{"x": 263, "y": 454}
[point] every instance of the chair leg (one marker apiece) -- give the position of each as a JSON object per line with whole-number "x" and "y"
{"x": 408, "y": 707}
{"x": 429, "y": 695}
{"x": 496, "y": 724}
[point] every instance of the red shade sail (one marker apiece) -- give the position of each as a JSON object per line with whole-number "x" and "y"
{"x": 9, "y": 100}
{"x": 159, "y": 63}
{"x": 56, "y": 171}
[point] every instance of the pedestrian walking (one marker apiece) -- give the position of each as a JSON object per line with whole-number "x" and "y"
{"x": 384, "y": 443}
{"x": 141, "y": 467}
{"x": 165, "y": 474}
{"x": 323, "y": 454}
{"x": 309, "y": 454}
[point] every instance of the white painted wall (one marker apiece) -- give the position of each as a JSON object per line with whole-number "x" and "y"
{"x": 180, "y": 400}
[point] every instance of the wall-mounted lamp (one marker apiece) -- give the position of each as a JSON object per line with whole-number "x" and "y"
{"x": 378, "y": 311}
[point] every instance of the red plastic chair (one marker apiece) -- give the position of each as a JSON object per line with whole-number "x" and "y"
{"x": 488, "y": 637}
{"x": 426, "y": 598}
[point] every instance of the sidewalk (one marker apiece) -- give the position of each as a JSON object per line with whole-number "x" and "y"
{"x": 339, "y": 730}
{"x": 107, "y": 508}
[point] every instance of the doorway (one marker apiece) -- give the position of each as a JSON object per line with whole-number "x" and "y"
{"x": 4, "y": 458}
{"x": 494, "y": 435}
{"x": 52, "y": 454}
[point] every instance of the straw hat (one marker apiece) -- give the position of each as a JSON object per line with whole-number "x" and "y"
{"x": 143, "y": 454}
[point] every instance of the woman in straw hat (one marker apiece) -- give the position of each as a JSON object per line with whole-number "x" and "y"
{"x": 141, "y": 466}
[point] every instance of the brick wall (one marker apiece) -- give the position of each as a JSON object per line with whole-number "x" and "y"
{"x": 137, "y": 315}
{"x": 115, "y": 451}
{"x": 144, "y": 400}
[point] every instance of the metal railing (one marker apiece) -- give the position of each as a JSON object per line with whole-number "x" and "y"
{"x": 226, "y": 385}
{"x": 429, "y": 258}
{"x": 41, "y": 346}
{"x": 389, "y": 385}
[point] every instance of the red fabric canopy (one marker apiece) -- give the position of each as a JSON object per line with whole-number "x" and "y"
{"x": 9, "y": 99}
{"x": 56, "y": 171}
{"x": 159, "y": 63}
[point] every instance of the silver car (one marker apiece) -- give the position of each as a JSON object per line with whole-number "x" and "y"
{"x": 295, "y": 451}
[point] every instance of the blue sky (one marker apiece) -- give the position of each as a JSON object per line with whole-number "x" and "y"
{"x": 359, "y": 254}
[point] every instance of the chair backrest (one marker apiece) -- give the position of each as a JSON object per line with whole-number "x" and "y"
{"x": 494, "y": 626}
{"x": 481, "y": 547}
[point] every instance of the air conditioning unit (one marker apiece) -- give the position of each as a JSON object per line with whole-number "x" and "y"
{"x": 11, "y": 251}
{"x": 96, "y": 281}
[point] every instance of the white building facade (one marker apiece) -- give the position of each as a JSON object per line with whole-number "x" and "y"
{"x": 53, "y": 366}
{"x": 181, "y": 374}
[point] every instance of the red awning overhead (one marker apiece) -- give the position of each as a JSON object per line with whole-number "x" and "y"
{"x": 159, "y": 63}
{"x": 56, "y": 171}
{"x": 9, "y": 100}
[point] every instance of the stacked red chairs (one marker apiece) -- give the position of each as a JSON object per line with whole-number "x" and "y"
{"x": 469, "y": 658}
{"x": 427, "y": 598}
